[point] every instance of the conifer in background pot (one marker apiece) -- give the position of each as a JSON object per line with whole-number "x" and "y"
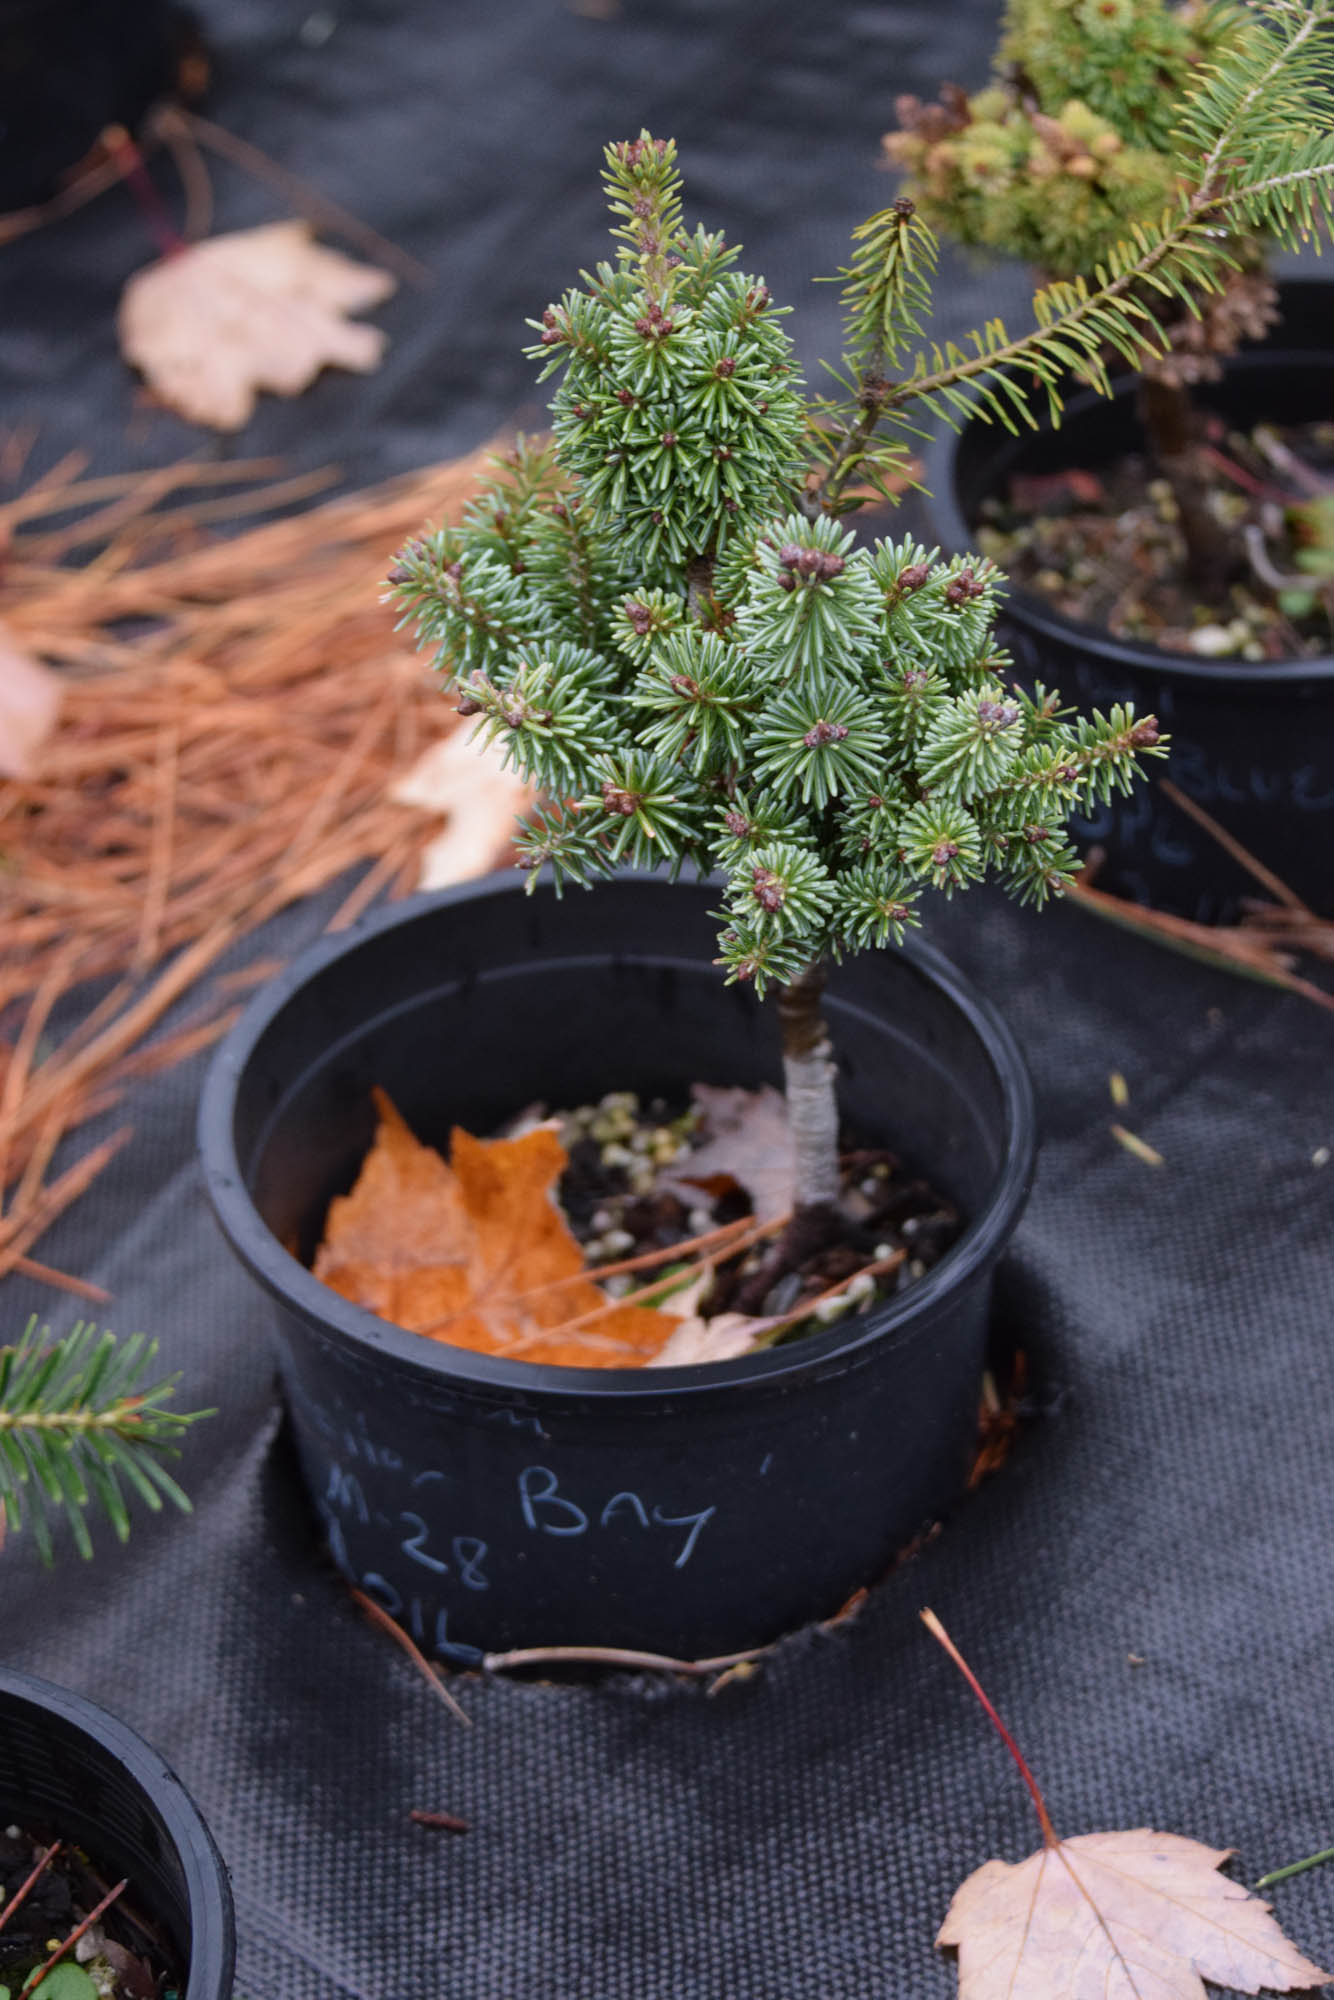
{"x": 1176, "y": 544}
{"x": 665, "y": 621}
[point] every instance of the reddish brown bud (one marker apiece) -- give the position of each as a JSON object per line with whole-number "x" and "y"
{"x": 640, "y": 617}
{"x": 737, "y": 825}
{"x": 625, "y": 398}
{"x": 468, "y": 704}
{"x": 767, "y": 890}
{"x": 902, "y": 205}
{"x": 682, "y": 684}
{"x": 913, "y": 577}
{"x": 643, "y": 207}
{"x": 1145, "y": 733}
{"x": 944, "y": 852}
{"x": 398, "y": 574}
{"x": 824, "y": 732}
{"x": 668, "y": 439}
{"x": 963, "y": 587}
{"x": 725, "y": 366}
{"x": 617, "y": 800}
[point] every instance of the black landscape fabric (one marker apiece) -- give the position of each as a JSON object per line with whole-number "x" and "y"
{"x": 1146, "y": 1589}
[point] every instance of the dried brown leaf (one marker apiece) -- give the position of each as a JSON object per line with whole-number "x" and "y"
{"x": 748, "y": 1140}
{"x": 1117, "y": 1916}
{"x": 464, "y": 1251}
{"x": 721, "y": 1338}
{"x": 255, "y": 309}
{"x": 467, "y": 782}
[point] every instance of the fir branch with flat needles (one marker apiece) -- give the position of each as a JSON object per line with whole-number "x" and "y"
{"x": 80, "y": 1422}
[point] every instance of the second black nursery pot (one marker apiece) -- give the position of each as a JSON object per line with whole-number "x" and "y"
{"x": 1252, "y": 743}
{"x": 70, "y": 1771}
{"x": 490, "y": 1503}
{"x": 68, "y": 69}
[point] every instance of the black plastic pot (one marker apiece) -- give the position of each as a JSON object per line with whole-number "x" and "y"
{"x": 69, "y": 1768}
{"x": 1254, "y": 744}
{"x": 68, "y": 68}
{"x": 491, "y": 1503}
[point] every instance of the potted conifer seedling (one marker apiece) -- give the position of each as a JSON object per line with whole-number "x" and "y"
{"x": 765, "y": 744}
{"x": 1174, "y": 544}
{"x": 110, "y": 1885}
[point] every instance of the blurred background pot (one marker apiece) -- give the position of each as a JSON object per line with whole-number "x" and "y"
{"x": 68, "y": 69}
{"x": 1254, "y": 744}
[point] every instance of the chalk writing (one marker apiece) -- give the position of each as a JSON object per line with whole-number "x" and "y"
{"x": 558, "y": 1516}
{"x": 548, "y": 1511}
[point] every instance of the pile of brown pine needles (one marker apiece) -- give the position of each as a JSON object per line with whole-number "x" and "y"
{"x": 235, "y": 712}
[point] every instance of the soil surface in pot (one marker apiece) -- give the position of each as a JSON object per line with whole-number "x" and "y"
{"x": 120, "y": 1956}
{"x": 623, "y": 1234}
{"x": 1103, "y": 545}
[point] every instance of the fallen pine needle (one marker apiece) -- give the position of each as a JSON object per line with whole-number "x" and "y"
{"x": 1296, "y": 1868}
{"x": 445, "y": 1821}
{"x": 379, "y": 1616}
{"x": 1141, "y": 1149}
{"x": 236, "y": 715}
{"x": 1119, "y": 1089}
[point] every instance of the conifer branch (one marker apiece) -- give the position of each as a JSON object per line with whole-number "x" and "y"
{"x": 78, "y": 1418}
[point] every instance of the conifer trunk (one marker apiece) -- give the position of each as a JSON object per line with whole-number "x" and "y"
{"x": 808, "y": 1072}
{"x": 1168, "y": 417}
{"x": 812, "y": 1109}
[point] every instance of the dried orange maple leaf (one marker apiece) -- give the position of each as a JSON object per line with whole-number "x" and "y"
{"x": 1110, "y": 1916}
{"x": 465, "y": 1250}
{"x": 210, "y": 326}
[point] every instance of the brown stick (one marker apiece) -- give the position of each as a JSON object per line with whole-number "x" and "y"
{"x": 34, "y": 1979}
{"x": 30, "y": 1882}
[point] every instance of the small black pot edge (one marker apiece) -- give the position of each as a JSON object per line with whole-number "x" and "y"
{"x": 72, "y": 1764}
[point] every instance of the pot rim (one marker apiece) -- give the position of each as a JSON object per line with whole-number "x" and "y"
{"x": 208, "y": 1893}
{"x": 1035, "y": 613}
{"x": 355, "y": 1328}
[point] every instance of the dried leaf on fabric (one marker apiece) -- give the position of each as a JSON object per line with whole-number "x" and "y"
{"x": 1136, "y": 1915}
{"x": 29, "y": 704}
{"x": 1121, "y": 1916}
{"x": 473, "y": 1251}
{"x": 748, "y": 1141}
{"x": 468, "y": 783}
{"x": 210, "y": 326}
